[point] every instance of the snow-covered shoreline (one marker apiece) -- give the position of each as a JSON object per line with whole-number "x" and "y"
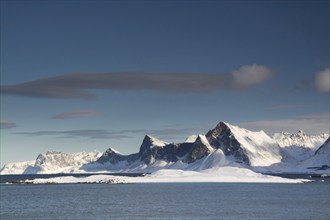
{"x": 218, "y": 175}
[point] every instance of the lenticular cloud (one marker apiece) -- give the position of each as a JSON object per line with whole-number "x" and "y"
{"x": 78, "y": 85}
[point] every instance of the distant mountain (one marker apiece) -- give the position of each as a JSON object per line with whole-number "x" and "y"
{"x": 225, "y": 145}
{"x": 52, "y": 162}
{"x": 17, "y": 167}
{"x": 301, "y": 139}
{"x": 300, "y": 146}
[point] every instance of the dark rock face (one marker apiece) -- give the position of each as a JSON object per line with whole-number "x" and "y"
{"x": 219, "y": 137}
{"x": 197, "y": 151}
{"x": 40, "y": 160}
{"x": 113, "y": 157}
{"x": 222, "y": 137}
{"x": 149, "y": 152}
{"x": 324, "y": 147}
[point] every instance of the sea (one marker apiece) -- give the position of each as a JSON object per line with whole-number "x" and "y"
{"x": 232, "y": 201}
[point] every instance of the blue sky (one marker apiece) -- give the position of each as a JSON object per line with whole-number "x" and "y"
{"x": 87, "y": 75}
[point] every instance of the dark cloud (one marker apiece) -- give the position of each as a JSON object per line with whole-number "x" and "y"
{"x": 7, "y": 124}
{"x": 76, "y": 114}
{"x": 77, "y": 86}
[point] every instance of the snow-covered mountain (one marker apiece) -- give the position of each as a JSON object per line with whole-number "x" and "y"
{"x": 301, "y": 139}
{"x": 153, "y": 154}
{"x": 225, "y": 145}
{"x": 52, "y": 162}
{"x": 252, "y": 148}
{"x": 321, "y": 157}
{"x": 300, "y": 146}
{"x": 17, "y": 167}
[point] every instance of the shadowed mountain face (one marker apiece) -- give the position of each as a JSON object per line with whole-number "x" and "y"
{"x": 152, "y": 150}
{"x": 251, "y": 148}
{"x": 324, "y": 148}
{"x": 222, "y": 137}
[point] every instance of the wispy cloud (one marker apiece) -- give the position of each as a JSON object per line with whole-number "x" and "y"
{"x": 322, "y": 80}
{"x": 4, "y": 124}
{"x": 76, "y": 86}
{"x": 284, "y": 106}
{"x": 105, "y": 134}
{"x": 86, "y": 133}
{"x": 76, "y": 114}
{"x": 313, "y": 124}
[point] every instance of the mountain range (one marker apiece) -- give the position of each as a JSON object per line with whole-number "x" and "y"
{"x": 225, "y": 145}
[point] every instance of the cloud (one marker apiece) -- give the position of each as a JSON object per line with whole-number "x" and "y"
{"x": 319, "y": 81}
{"x": 87, "y": 133}
{"x": 322, "y": 80}
{"x": 76, "y": 86}
{"x": 250, "y": 76}
{"x": 284, "y": 106}
{"x": 4, "y": 124}
{"x": 312, "y": 124}
{"x": 105, "y": 134}
{"x": 76, "y": 114}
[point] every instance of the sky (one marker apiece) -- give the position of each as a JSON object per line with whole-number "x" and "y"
{"x": 89, "y": 75}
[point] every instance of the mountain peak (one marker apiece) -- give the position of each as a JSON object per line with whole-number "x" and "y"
{"x": 111, "y": 151}
{"x": 301, "y": 132}
{"x": 152, "y": 141}
{"x": 191, "y": 139}
{"x": 219, "y": 128}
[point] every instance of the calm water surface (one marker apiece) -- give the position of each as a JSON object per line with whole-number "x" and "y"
{"x": 166, "y": 201}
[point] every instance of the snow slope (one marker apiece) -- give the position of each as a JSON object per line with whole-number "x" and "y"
{"x": 222, "y": 174}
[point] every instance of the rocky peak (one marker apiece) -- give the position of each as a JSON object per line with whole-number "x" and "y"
{"x": 145, "y": 148}
{"x": 40, "y": 159}
{"x": 199, "y": 149}
{"x": 220, "y": 128}
{"x": 110, "y": 151}
{"x": 301, "y": 132}
{"x": 148, "y": 143}
{"x": 217, "y": 135}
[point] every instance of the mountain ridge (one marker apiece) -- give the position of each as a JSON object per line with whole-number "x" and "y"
{"x": 224, "y": 145}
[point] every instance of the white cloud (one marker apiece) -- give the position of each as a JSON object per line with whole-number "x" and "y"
{"x": 322, "y": 80}
{"x": 311, "y": 124}
{"x": 251, "y": 75}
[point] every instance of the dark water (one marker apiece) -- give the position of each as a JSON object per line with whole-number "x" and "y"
{"x": 166, "y": 201}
